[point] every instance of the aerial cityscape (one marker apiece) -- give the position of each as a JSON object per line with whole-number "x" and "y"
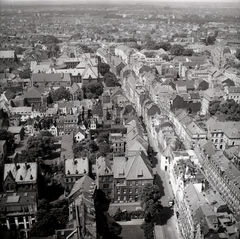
{"x": 120, "y": 119}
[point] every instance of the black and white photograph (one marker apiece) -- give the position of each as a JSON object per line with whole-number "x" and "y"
{"x": 120, "y": 119}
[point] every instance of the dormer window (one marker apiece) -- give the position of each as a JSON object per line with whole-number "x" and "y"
{"x": 21, "y": 177}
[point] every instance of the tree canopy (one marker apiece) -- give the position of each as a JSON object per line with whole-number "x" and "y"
{"x": 37, "y": 146}
{"x": 229, "y": 108}
{"x": 92, "y": 90}
{"x": 60, "y": 94}
{"x": 150, "y": 201}
{"x": 177, "y": 50}
{"x": 110, "y": 79}
{"x": 49, "y": 218}
{"x": 103, "y": 68}
{"x": 25, "y": 74}
{"x": 8, "y": 136}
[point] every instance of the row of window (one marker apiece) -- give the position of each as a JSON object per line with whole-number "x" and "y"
{"x": 130, "y": 190}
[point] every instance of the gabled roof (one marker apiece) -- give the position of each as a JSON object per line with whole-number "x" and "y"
{"x": 34, "y": 92}
{"x": 132, "y": 168}
{"x": 103, "y": 166}
{"x": 84, "y": 184}
{"x": 90, "y": 72}
{"x": 9, "y": 94}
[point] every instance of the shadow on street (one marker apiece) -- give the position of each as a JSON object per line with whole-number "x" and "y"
{"x": 159, "y": 182}
{"x": 164, "y": 216}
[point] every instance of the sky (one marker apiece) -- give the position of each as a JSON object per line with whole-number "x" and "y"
{"x": 116, "y": 1}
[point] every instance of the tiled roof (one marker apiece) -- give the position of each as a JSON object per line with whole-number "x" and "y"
{"x": 132, "y": 168}
{"x": 34, "y": 92}
{"x": 51, "y": 77}
{"x": 21, "y": 172}
{"x": 75, "y": 166}
{"x": 85, "y": 183}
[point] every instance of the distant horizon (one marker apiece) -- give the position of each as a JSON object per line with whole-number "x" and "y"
{"x": 119, "y": 1}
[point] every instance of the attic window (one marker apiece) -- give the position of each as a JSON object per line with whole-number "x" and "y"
{"x": 140, "y": 174}
{"x": 21, "y": 177}
{"x": 68, "y": 172}
{"x": 31, "y": 177}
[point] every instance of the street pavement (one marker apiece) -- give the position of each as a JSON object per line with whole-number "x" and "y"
{"x": 167, "y": 228}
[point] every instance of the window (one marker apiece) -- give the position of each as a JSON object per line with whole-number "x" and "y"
{"x": 130, "y": 190}
{"x": 136, "y": 183}
{"x": 124, "y": 190}
{"x": 136, "y": 190}
{"x": 118, "y": 198}
{"x": 118, "y": 190}
{"x": 106, "y": 185}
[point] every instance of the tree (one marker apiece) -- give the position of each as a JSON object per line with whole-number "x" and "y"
{"x": 60, "y": 94}
{"x": 103, "y": 68}
{"x": 148, "y": 229}
{"x": 9, "y": 137}
{"x": 46, "y": 226}
{"x": 214, "y": 107}
{"x": 110, "y": 79}
{"x": 40, "y": 146}
{"x": 238, "y": 54}
{"x": 187, "y": 52}
{"x": 93, "y": 90}
{"x": 25, "y": 74}
{"x": 114, "y": 227}
{"x": 177, "y": 50}
{"x": 46, "y": 133}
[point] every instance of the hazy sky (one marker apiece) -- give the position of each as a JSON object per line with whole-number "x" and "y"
{"x": 112, "y": 1}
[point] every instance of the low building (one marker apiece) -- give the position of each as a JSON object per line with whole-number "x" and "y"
{"x": 18, "y": 132}
{"x": 74, "y": 169}
{"x": 18, "y": 210}
{"x": 130, "y": 175}
{"x": 20, "y": 177}
{"x": 104, "y": 177}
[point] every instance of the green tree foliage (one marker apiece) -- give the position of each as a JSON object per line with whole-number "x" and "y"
{"x": 103, "y": 68}
{"x": 110, "y": 79}
{"x": 60, "y": 94}
{"x": 25, "y": 74}
{"x": 177, "y": 50}
{"x": 229, "y": 108}
{"x": 93, "y": 90}
{"x": 9, "y": 137}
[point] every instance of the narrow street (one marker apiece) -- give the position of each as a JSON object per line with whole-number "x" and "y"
{"x": 166, "y": 227}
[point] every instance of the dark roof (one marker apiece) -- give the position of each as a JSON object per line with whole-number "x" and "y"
{"x": 145, "y": 68}
{"x": 34, "y": 92}
{"x": 9, "y": 94}
{"x": 153, "y": 110}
